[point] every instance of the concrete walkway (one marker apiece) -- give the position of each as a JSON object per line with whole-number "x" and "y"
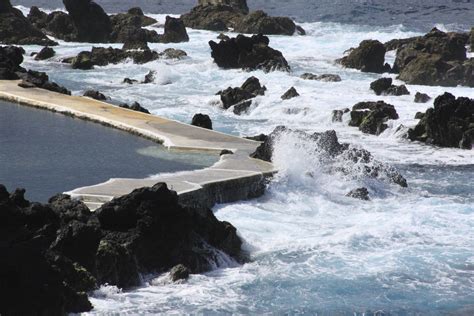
{"x": 233, "y": 178}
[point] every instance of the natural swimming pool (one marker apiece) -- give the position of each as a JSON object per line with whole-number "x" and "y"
{"x": 48, "y": 153}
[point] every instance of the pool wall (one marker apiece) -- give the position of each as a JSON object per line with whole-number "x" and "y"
{"x": 234, "y": 177}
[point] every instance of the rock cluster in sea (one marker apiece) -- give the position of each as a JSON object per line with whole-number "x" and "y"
{"x": 53, "y": 254}
{"x": 331, "y": 150}
{"x": 240, "y": 97}
{"x": 249, "y": 53}
{"x": 435, "y": 59}
{"x": 450, "y": 123}
{"x": 11, "y": 58}
{"x": 222, "y": 15}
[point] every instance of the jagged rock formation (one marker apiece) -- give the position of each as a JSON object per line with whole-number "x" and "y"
{"x": 54, "y": 253}
{"x": 384, "y": 86}
{"x": 371, "y": 117}
{"x": 240, "y": 98}
{"x": 336, "y": 157}
{"x": 450, "y": 123}
{"x": 248, "y": 53}
{"x": 368, "y": 57}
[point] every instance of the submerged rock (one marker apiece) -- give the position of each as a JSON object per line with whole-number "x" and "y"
{"x": 179, "y": 272}
{"x": 53, "y": 254}
{"x": 15, "y": 28}
{"x": 248, "y": 53}
{"x": 323, "y": 77}
{"x": 240, "y": 97}
{"x": 450, "y": 123}
{"x": 45, "y": 53}
{"x": 337, "y": 114}
{"x": 202, "y": 120}
{"x": 421, "y": 97}
{"x": 368, "y": 57}
{"x": 334, "y": 156}
{"x": 360, "y": 193}
{"x": 371, "y": 117}
{"x": 290, "y": 94}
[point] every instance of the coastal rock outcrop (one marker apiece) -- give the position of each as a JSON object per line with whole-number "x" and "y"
{"x": 223, "y": 15}
{"x": 53, "y": 254}
{"x": 421, "y": 97}
{"x": 334, "y": 156}
{"x": 384, "y": 86}
{"x": 436, "y": 58}
{"x": 135, "y": 106}
{"x": 359, "y": 193}
{"x": 368, "y": 57}
{"x": 241, "y": 97}
{"x": 91, "y": 22}
{"x": 371, "y": 117}
{"x": 202, "y": 120}
{"x": 248, "y": 53}
{"x": 45, "y": 53}
{"x": 175, "y": 31}
{"x": 290, "y": 94}
{"x": 450, "y": 123}
{"x": 41, "y": 80}
{"x": 94, "y": 94}
{"x": 15, "y": 28}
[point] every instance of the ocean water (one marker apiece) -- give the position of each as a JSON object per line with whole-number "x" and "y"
{"x": 314, "y": 251}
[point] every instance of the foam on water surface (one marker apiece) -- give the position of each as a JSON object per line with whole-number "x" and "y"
{"x": 312, "y": 248}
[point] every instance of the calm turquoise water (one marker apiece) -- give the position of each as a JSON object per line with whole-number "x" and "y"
{"x": 48, "y": 153}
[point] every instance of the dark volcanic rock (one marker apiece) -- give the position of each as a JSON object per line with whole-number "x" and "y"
{"x": 179, "y": 272}
{"x": 336, "y": 157}
{"x": 94, "y": 94}
{"x": 60, "y": 25}
{"x": 381, "y": 85}
{"x": 175, "y": 31}
{"x": 360, "y": 193}
{"x": 248, "y": 53}
{"x": 240, "y": 97}
{"x": 323, "y": 77}
{"x": 10, "y": 59}
{"x": 90, "y": 20}
{"x": 436, "y": 58}
{"x": 449, "y": 124}
{"x": 127, "y": 27}
{"x": 371, "y": 117}
{"x": 15, "y": 28}
{"x": 290, "y": 94}
{"x": 41, "y": 80}
{"x": 384, "y": 86}
{"x": 202, "y": 120}
{"x": 45, "y": 53}
{"x": 129, "y": 81}
{"x": 37, "y": 17}
{"x": 239, "y": 5}
{"x": 172, "y": 53}
{"x": 212, "y": 17}
{"x": 100, "y": 56}
{"x": 368, "y": 57}
{"x": 135, "y": 107}
{"x": 421, "y": 97}
{"x": 337, "y": 114}
{"x": 259, "y": 22}
{"x": 53, "y": 254}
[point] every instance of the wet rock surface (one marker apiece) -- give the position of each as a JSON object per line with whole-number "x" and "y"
{"x": 240, "y": 97}
{"x": 336, "y": 156}
{"x": 135, "y": 106}
{"x": 94, "y": 94}
{"x": 369, "y": 56}
{"x": 54, "y": 253}
{"x": 360, "y": 194}
{"x": 450, "y": 123}
{"x": 323, "y": 77}
{"x": 175, "y": 31}
{"x": 384, "y": 86}
{"x": 422, "y": 97}
{"x": 371, "y": 117}
{"x": 202, "y": 120}
{"x": 248, "y": 53}
{"x": 290, "y": 94}
{"x": 437, "y": 58}
{"x": 45, "y": 53}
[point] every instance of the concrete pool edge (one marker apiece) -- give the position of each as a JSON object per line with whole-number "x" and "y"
{"x": 234, "y": 177}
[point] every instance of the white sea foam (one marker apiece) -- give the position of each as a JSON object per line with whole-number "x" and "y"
{"x": 313, "y": 249}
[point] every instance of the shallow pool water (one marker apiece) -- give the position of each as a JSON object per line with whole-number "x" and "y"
{"x": 47, "y": 153}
